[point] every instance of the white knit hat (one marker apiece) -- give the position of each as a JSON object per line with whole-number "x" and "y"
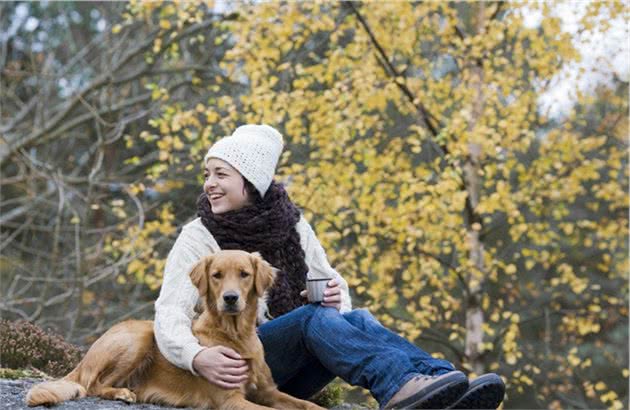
{"x": 253, "y": 150}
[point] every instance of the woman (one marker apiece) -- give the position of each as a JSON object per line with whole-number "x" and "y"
{"x": 306, "y": 345}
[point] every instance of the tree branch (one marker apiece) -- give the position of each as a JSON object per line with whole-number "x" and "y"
{"x": 392, "y": 72}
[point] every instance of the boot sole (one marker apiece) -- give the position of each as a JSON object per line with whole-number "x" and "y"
{"x": 487, "y": 395}
{"x": 440, "y": 398}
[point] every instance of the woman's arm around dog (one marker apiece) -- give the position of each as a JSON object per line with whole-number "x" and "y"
{"x": 174, "y": 308}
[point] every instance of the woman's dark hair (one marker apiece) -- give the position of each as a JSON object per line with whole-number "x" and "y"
{"x": 252, "y": 192}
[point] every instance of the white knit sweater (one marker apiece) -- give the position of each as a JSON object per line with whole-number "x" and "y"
{"x": 174, "y": 308}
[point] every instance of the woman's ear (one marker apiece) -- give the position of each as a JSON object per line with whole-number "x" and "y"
{"x": 199, "y": 275}
{"x": 265, "y": 274}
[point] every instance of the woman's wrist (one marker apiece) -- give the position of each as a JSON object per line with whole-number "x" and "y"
{"x": 196, "y": 362}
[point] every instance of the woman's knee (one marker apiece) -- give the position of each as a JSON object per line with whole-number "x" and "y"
{"x": 361, "y": 313}
{"x": 359, "y": 317}
{"x": 321, "y": 317}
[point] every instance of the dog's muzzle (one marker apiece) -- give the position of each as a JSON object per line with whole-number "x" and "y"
{"x": 230, "y": 300}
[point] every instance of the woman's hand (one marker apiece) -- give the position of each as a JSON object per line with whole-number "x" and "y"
{"x": 332, "y": 294}
{"x": 222, "y": 366}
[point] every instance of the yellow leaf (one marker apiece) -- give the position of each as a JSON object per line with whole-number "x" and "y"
{"x": 165, "y": 24}
{"x": 510, "y": 358}
{"x": 526, "y": 380}
{"x": 610, "y": 396}
{"x": 87, "y": 297}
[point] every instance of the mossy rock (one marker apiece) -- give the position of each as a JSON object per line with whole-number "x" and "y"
{"x": 329, "y": 397}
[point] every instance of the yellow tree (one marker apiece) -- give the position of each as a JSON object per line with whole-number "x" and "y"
{"x": 460, "y": 215}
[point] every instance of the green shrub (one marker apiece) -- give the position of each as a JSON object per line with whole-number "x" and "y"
{"x": 24, "y": 345}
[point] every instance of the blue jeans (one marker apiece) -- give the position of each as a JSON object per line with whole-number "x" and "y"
{"x": 308, "y": 347}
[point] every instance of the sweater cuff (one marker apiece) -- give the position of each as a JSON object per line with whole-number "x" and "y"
{"x": 188, "y": 354}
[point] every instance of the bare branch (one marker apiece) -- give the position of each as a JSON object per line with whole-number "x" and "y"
{"x": 426, "y": 116}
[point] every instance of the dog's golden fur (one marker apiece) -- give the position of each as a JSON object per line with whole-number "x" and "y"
{"x": 125, "y": 363}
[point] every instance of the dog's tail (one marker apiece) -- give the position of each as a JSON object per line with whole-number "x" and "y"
{"x": 55, "y": 391}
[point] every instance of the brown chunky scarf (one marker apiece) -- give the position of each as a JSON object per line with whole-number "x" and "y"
{"x": 268, "y": 227}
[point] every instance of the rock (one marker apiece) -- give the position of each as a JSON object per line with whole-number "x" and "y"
{"x": 13, "y": 392}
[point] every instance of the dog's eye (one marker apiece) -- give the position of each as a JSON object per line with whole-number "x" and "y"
{"x": 244, "y": 274}
{"x": 216, "y": 275}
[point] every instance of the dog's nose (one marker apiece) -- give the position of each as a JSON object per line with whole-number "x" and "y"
{"x": 230, "y": 297}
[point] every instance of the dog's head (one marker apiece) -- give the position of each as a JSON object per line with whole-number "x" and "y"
{"x": 230, "y": 280}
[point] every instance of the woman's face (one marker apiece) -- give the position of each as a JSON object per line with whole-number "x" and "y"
{"x": 224, "y": 186}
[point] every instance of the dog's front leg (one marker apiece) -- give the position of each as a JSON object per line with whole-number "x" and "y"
{"x": 279, "y": 400}
{"x": 113, "y": 393}
{"x": 238, "y": 402}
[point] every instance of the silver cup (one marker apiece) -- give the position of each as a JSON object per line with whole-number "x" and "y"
{"x": 315, "y": 289}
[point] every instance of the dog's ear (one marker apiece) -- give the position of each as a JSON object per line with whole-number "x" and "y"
{"x": 265, "y": 273}
{"x": 199, "y": 275}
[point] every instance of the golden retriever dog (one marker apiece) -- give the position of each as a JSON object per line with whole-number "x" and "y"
{"x": 125, "y": 363}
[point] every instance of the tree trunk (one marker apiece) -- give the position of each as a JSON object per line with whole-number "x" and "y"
{"x": 472, "y": 175}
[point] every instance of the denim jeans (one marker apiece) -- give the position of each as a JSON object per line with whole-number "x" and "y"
{"x": 308, "y": 347}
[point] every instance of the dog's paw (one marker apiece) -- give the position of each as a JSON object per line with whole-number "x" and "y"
{"x": 308, "y": 405}
{"x": 311, "y": 406}
{"x": 125, "y": 395}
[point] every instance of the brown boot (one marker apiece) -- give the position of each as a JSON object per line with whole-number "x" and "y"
{"x": 430, "y": 392}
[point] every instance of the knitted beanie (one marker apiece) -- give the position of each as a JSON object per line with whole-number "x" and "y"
{"x": 253, "y": 150}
